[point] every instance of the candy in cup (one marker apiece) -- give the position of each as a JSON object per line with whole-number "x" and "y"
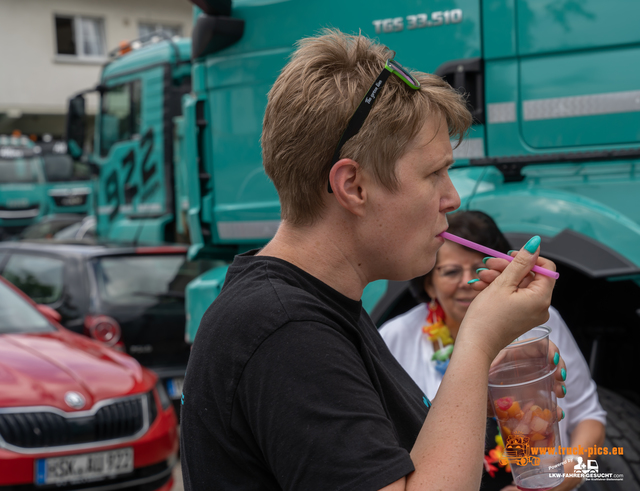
{"x": 521, "y": 383}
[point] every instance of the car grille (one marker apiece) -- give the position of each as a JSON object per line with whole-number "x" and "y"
{"x": 116, "y": 420}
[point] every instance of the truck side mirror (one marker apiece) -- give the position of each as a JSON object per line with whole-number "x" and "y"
{"x": 76, "y": 126}
{"x": 214, "y": 33}
{"x": 214, "y": 7}
{"x": 467, "y": 77}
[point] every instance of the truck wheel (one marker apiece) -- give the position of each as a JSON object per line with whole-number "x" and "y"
{"x": 623, "y": 430}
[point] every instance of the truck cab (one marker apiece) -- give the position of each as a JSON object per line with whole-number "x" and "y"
{"x": 68, "y": 188}
{"x": 22, "y": 186}
{"x": 37, "y": 180}
{"x": 140, "y": 93}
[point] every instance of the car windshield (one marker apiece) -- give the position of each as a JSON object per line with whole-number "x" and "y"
{"x": 145, "y": 279}
{"x": 18, "y": 316}
{"x": 20, "y": 170}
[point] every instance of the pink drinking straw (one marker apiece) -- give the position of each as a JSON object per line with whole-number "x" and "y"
{"x": 491, "y": 252}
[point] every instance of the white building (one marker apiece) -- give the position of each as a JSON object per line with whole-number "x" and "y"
{"x": 52, "y": 49}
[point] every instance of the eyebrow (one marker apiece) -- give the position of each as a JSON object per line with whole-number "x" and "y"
{"x": 447, "y": 163}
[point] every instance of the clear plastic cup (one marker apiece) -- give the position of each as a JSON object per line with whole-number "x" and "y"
{"x": 521, "y": 383}
{"x": 530, "y": 353}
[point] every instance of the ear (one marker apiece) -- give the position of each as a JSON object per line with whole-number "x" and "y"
{"x": 346, "y": 178}
{"x": 428, "y": 287}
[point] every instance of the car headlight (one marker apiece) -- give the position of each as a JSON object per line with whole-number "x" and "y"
{"x": 152, "y": 408}
{"x": 165, "y": 402}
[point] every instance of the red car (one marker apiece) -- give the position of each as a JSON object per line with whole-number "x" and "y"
{"x": 75, "y": 414}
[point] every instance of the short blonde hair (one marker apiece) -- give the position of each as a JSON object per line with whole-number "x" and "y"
{"x": 314, "y": 98}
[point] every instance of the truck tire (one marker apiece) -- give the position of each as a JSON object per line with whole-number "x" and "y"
{"x": 623, "y": 430}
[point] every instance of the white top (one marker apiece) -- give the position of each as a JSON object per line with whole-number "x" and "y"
{"x": 412, "y": 348}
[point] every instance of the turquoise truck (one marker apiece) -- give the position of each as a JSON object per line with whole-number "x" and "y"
{"x": 554, "y": 89}
{"x": 37, "y": 180}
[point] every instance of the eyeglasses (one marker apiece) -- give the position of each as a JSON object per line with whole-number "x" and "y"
{"x": 454, "y": 273}
{"x": 363, "y": 110}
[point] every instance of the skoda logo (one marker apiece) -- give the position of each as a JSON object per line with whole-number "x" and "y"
{"x": 74, "y": 400}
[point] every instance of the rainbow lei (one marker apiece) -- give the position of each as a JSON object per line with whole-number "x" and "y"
{"x": 439, "y": 333}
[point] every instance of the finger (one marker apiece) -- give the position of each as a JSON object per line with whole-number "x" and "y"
{"x": 560, "y": 413}
{"x": 497, "y": 265}
{"x": 488, "y": 275}
{"x": 560, "y": 389}
{"x": 555, "y": 358}
{"x": 560, "y": 386}
{"x": 500, "y": 264}
{"x": 522, "y": 262}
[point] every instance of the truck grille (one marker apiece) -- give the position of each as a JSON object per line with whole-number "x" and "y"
{"x": 19, "y": 213}
{"x": 74, "y": 200}
{"x": 116, "y": 420}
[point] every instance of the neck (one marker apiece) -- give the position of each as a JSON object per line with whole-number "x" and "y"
{"x": 453, "y": 326}
{"x": 331, "y": 261}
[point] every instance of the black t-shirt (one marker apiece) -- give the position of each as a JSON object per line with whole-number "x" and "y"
{"x": 290, "y": 386}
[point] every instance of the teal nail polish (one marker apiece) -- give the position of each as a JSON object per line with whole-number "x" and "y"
{"x": 564, "y": 390}
{"x": 556, "y": 358}
{"x": 512, "y": 250}
{"x": 486, "y": 259}
{"x": 562, "y": 414}
{"x": 481, "y": 269}
{"x": 563, "y": 372}
{"x": 472, "y": 281}
{"x": 533, "y": 244}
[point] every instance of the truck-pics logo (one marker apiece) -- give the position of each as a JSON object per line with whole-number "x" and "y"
{"x": 518, "y": 451}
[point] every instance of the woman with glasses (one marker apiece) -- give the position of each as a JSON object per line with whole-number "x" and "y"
{"x": 422, "y": 341}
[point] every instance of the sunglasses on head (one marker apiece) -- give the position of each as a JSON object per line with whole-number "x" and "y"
{"x": 363, "y": 110}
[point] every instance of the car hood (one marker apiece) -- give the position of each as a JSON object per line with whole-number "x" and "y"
{"x": 39, "y": 369}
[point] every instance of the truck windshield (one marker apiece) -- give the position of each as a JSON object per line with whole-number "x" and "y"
{"x": 120, "y": 115}
{"x": 20, "y": 170}
{"x": 145, "y": 279}
{"x": 59, "y": 168}
{"x": 18, "y": 316}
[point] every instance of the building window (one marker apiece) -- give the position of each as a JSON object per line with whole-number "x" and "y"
{"x": 147, "y": 28}
{"x": 82, "y": 37}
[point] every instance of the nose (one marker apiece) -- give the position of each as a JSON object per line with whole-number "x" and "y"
{"x": 468, "y": 275}
{"x": 450, "y": 200}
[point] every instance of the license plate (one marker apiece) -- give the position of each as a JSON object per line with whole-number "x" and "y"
{"x": 72, "y": 201}
{"x": 174, "y": 387}
{"x": 85, "y": 467}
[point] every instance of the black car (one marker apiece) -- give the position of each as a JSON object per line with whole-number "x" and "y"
{"x": 130, "y": 298}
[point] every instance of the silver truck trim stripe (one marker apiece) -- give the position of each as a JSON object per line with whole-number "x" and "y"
{"x": 584, "y": 105}
{"x": 470, "y": 148}
{"x": 262, "y": 229}
{"x": 19, "y": 213}
{"x": 502, "y": 112}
